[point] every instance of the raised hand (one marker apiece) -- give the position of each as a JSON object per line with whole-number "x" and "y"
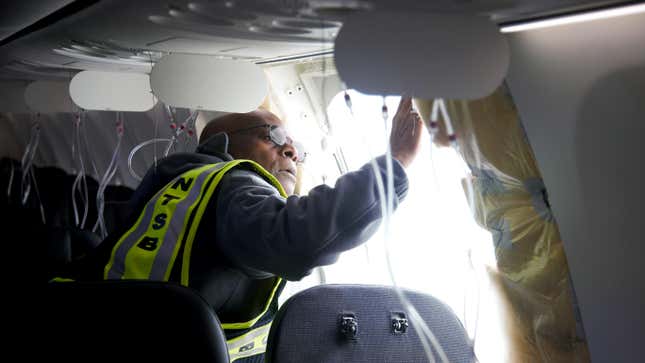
{"x": 405, "y": 137}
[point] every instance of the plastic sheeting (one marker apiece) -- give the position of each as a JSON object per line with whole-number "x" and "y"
{"x": 510, "y": 200}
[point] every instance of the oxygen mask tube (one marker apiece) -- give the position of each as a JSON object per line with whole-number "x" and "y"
{"x": 467, "y": 124}
{"x": 10, "y": 184}
{"x": 27, "y": 160}
{"x": 375, "y": 168}
{"x": 109, "y": 174}
{"x": 173, "y": 126}
{"x": 86, "y": 146}
{"x": 416, "y": 318}
{"x": 439, "y": 108}
{"x": 187, "y": 127}
{"x": 427, "y": 338}
{"x": 28, "y": 177}
{"x": 80, "y": 182}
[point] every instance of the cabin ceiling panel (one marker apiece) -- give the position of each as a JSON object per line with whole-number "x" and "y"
{"x": 130, "y": 35}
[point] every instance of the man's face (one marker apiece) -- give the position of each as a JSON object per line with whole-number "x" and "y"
{"x": 255, "y": 145}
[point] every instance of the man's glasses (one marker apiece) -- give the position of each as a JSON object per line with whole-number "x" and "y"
{"x": 278, "y": 135}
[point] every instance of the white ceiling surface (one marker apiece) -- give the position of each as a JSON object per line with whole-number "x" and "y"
{"x": 248, "y": 29}
{"x": 580, "y": 90}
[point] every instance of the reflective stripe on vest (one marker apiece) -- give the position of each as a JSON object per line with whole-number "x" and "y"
{"x": 252, "y": 343}
{"x": 148, "y": 250}
{"x": 168, "y": 223}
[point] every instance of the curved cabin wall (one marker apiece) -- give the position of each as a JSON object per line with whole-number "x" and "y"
{"x": 580, "y": 90}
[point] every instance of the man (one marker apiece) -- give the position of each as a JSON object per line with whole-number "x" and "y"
{"x": 230, "y": 229}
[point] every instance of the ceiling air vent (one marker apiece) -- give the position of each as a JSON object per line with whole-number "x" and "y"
{"x": 306, "y": 23}
{"x": 257, "y": 28}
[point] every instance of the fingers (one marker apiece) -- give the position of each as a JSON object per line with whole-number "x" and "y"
{"x": 418, "y": 127}
{"x": 408, "y": 124}
{"x": 415, "y": 119}
{"x": 405, "y": 106}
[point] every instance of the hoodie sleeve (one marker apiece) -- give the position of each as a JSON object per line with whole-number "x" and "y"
{"x": 265, "y": 234}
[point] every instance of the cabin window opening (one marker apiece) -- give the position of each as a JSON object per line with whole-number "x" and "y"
{"x": 435, "y": 246}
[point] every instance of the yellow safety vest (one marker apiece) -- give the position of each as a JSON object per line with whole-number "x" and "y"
{"x": 168, "y": 224}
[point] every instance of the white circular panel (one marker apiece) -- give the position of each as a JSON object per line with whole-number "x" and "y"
{"x": 207, "y": 83}
{"x": 423, "y": 55}
{"x": 112, "y": 91}
{"x": 49, "y": 96}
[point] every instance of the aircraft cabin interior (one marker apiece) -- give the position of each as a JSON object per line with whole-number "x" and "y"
{"x": 515, "y": 235}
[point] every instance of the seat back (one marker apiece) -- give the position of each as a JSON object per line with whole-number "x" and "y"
{"x": 126, "y": 321}
{"x": 360, "y": 323}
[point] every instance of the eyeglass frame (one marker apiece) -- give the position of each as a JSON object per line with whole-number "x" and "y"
{"x": 302, "y": 154}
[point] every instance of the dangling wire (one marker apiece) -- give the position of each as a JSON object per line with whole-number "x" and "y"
{"x": 109, "y": 174}
{"x": 467, "y": 122}
{"x": 79, "y": 186}
{"x": 416, "y": 318}
{"x": 80, "y": 182}
{"x": 137, "y": 148}
{"x": 28, "y": 159}
{"x": 375, "y": 168}
{"x": 79, "y": 172}
{"x": 173, "y": 127}
{"x": 187, "y": 127}
{"x": 28, "y": 177}
{"x": 156, "y": 119}
{"x": 348, "y": 102}
{"x": 326, "y": 128}
{"x": 87, "y": 148}
{"x": 439, "y": 107}
{"x": 426, "y": 336}
{"x": 10, "y": 182}
{"x": 384, "y": 112}
{"x": 40, "y": 202}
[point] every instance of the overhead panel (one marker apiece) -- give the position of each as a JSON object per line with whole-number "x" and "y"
{"x": 423, "y": 55}
{"x": 208, "y": 83}
{"x": 112, "y": 91}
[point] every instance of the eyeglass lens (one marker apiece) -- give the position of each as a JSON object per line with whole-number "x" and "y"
{"x": 279, "y": 136}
